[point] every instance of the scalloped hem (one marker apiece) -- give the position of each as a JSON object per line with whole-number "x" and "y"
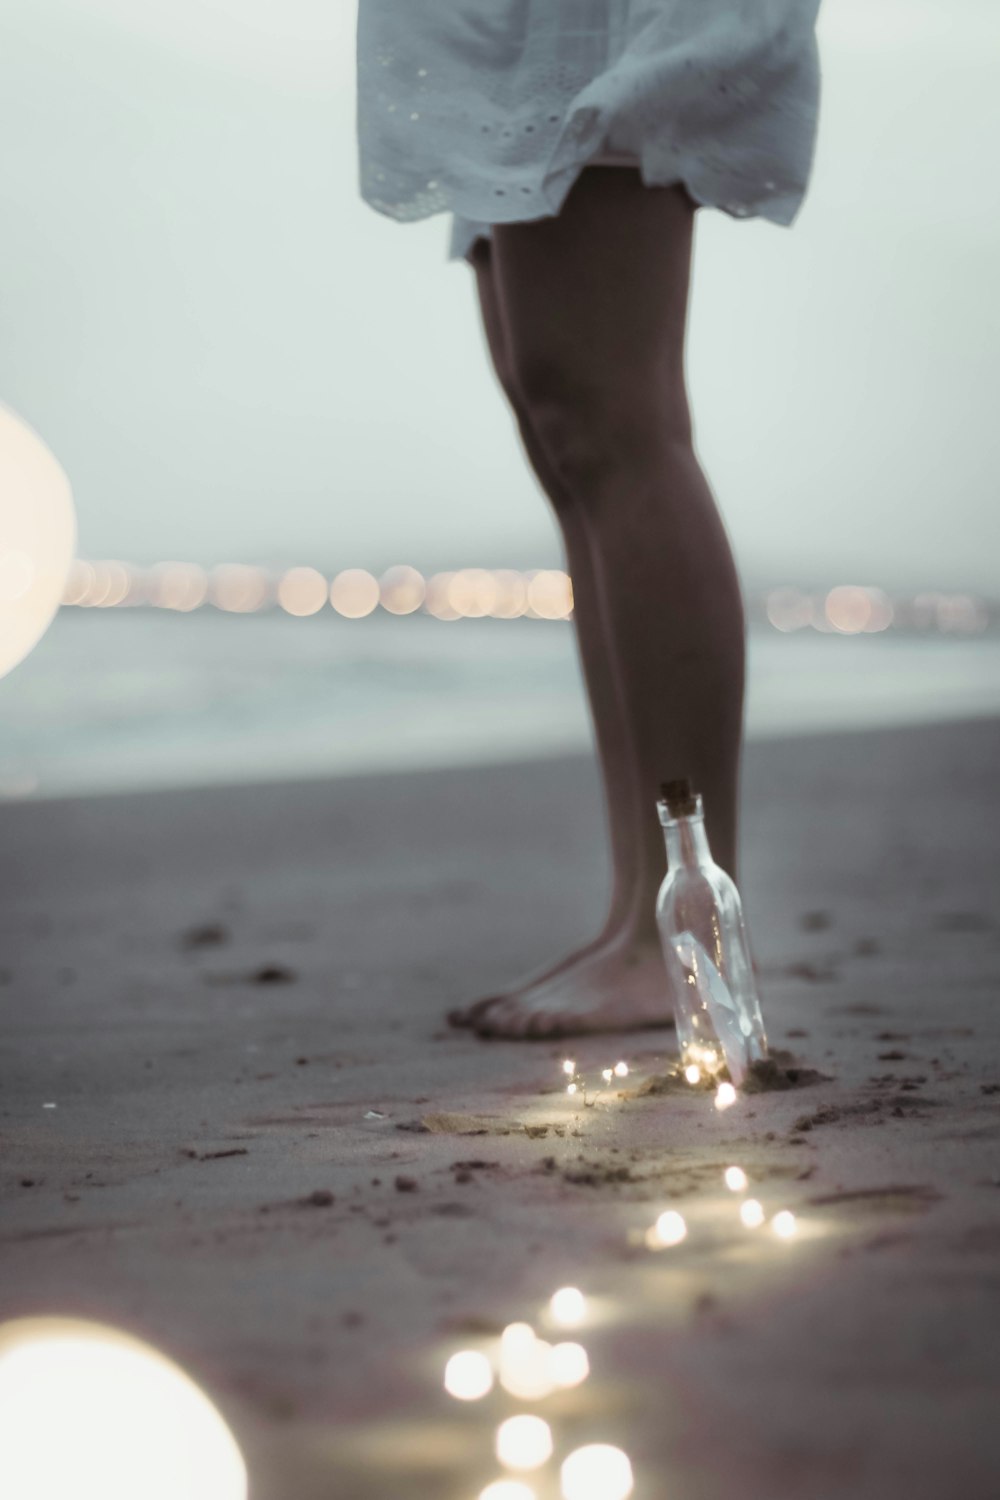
{"x": 781, "y": 208}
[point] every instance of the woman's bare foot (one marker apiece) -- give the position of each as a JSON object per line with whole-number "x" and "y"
{"x": 618, "y": 985}
{"x": 610, "y": 937}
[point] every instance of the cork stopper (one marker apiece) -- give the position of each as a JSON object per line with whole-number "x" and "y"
{"x": 679, "y": 797}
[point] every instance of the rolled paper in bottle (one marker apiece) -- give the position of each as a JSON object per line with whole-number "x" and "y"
{"x": 730, "y": 1022}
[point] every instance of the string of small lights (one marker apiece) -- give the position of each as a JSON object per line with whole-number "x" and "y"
{"x": 496, "y": 593}
{"x": 530, "y": 1368}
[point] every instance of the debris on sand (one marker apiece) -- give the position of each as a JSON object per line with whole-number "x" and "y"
{"x": 274, "y": 974}
{"x": 673, "y": 1082}
{"x": 205, "y": 935}
{"x": 265, "y": 974}
{"x": 213, "y": 1155}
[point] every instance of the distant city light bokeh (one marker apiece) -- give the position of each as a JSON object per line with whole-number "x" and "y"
{"x": 475, "y": 593}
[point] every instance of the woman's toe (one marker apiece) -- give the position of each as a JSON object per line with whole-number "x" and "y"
{"x": 504, "y": 1018}
{"x": 467, "y": 1015}
{"x": 543, "y": 1023}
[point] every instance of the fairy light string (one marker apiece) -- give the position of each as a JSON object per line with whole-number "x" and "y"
{"x": 522, "y": 1366}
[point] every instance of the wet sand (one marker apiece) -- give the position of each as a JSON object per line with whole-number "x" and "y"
{"x": 271, "y": 1158}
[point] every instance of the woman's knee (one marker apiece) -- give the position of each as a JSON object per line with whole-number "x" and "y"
{"x": 590, "y": 429}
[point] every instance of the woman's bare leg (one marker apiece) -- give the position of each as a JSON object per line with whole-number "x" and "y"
{"x": 593, "y": 304}
{"x": 597, "y": 663}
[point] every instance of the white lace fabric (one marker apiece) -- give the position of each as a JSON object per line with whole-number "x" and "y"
{"x": 489, "y": 109}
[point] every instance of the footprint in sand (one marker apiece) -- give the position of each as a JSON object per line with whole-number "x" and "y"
{"x": 895, "y": 1198}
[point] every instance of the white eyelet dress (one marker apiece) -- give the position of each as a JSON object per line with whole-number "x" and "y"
{"x": 489, "y": 109}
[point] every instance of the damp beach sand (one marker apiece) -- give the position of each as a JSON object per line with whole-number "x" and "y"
{"x": 233, "y": 1121}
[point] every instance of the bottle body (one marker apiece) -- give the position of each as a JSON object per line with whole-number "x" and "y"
{"x": 699, "y": 916}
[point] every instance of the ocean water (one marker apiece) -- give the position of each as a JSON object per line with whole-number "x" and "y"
{"x": 124, "y": 700}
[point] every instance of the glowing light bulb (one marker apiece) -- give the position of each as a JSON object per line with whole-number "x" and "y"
{"x": 607, "y": 1074}
{"x": 468, "y": 1375}
{"x": 692, "y": 1073}
{"x": 752, "y": 1213}
{"x": 736, "y": 1179}
{"x": 37, "y": 537}
{"x": 569, "y": 1067}
{"x": 571, "y": 1088}
{"x": 671, "y": 1228}
{"x": 524, "y": 1442}
{"x": 568, "y": 1365}
{"x": 568, "y": 1306}
{"x": 784, "y": 1224}
{"x": 621, "y": 1069}
{"x": 92, "y": 1412}
{"x": 725, "y": 1096}
{"x": 596, "y": 1472}
{"x": 525, "y": 1368}
{"x": 507, "y": 1489}
{"x": 524, "y": 1363}
{"x": 515, "y": 1338}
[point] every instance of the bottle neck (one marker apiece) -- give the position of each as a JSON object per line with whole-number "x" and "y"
{"x": 686, "y": 839}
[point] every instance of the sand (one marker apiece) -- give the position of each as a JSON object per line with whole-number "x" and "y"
{"x": 271, "y": 1158}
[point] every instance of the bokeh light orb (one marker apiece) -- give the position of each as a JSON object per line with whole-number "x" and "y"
{"x": 402, "y": 589}
{"x": 515, "y": 1340}
{"x": 789, "y": 608}
{"x": 468, "y": 1375}
{"x": 671, "y": 1228}
{"x": 507, "y": 1489}
{"x": 175, "y": 585}
{"x": 752, "y": 1213}
{"x": 524, "y": 1442}
{"x": 239, "y": 588}
{"x": 568, "y": 1365}
{"x": 525, "y": 1370}
{"x": 511, "y": 594}
{"x": 473, "y": 592}
{"x": 302, "y": 591}
{"x": 436, "y": 600}
{"x": 784, "y": 1224}
{"x": 37, "y": 537}
{"x": 550, "y": 594}
{"x": 89, "y": 1412}
{"x": 568, "y": 1306}
{"x": 354, "y": 593}
{"x": 848, "y": 608}
{"x": 598, "y": 1471}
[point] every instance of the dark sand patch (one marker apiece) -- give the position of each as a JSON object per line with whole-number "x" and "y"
{"x": 781, "y": 1070}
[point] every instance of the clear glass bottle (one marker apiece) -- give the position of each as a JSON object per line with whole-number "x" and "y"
{"x": 704, "y": 940}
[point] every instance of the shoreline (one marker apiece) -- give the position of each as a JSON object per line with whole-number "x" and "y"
{"x": 107, "y": 704}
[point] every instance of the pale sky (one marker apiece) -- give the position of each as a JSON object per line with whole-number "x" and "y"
{"x": 235, "y": 358}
